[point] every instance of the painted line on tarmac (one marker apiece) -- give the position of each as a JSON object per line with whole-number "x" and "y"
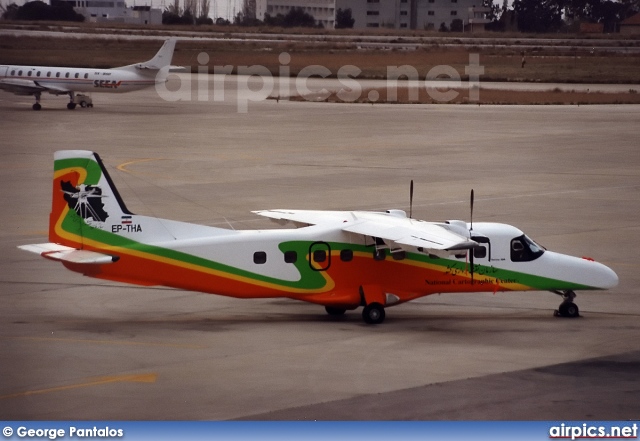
{"x": 139, "y": 378}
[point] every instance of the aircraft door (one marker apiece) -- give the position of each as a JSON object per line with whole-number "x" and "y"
{"x": 483, "y": 253}
{"x": 3, "y": 71}
{"x": 320, "y": 256}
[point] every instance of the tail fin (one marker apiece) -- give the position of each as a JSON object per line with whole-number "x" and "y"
{"x": 83, "y": 198}
{"x": 162, "y": 59}
{"x": 87, "y": 211}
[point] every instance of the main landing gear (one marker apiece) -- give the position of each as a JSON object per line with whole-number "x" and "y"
{"x": 567, "y": 308}
{"x": 37, "y": 105}
{"x": 71, "y": 104}
{"x": 372, "y": 314}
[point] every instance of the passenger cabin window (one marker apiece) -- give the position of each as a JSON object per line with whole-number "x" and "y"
{"x": 346, "y": 255}
{"x": 29, "y": 73}
{"x": 77, "y": 75}
{"x": 290, "y": 257}
{"x": 48, "y": 74}
{"x": 38, "y": 74}
{"x": 86, "y": 75}
{"x": 57, "y": 74}
{"x": 13, "y": 72}
{"x": 480, "y": 252}
{"x": 399, "y": 255}
{"x": 20, "y": 73}
{"x": 259, "y": 257}
{"x": 524, "y": 249}
{"x": 319, "y": 256}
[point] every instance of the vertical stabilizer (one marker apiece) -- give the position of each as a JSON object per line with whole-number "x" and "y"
{"x": 83, "y": 198}
{"x": 87, "y": 211}
{"x": 162, "y": 59}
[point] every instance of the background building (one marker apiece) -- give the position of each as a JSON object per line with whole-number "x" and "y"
{"x": 323, "y": 11}
{"x": 114, "y": 11}
{"x": 416, "y": 14}
{"x": 396, "y": 14}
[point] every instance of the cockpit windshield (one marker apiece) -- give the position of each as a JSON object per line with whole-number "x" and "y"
{"x": 523, "y": 249}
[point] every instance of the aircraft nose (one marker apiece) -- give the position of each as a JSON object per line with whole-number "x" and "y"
{"x": 606, "y": 277}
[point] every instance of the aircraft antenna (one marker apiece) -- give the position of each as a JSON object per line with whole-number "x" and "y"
{"x": 411, "y": 200}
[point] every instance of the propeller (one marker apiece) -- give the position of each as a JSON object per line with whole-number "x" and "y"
{"x": 470, "y": 230}
{"x": 411, "y": 200}
{"x": 471, "y": 210}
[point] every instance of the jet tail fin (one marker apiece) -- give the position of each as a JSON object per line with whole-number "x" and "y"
{"x": 162, "y": 59}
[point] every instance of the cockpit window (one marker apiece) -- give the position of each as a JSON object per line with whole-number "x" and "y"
{"x": 523, "y": 249}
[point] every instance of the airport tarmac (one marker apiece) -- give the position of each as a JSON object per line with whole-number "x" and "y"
{"x": 72, "y": 347}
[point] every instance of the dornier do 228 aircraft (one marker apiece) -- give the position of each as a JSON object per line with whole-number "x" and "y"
{"x": 338, "y": 259}
{"x": 34, "y": 80}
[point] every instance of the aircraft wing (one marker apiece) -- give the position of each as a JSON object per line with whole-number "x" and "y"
{"x": 63, "y": 253}
{"x": 309, "y": 217}
{"x": 396, "y": 231}
{"x": 409, "y": 235}
{"x": 28, "y": 87}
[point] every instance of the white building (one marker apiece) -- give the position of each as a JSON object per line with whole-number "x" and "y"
{"x": 115, "y": 11}
{"x": 324, "y": 11}
{"x": 415, "y": 14}
{"x": 396, "y": 14}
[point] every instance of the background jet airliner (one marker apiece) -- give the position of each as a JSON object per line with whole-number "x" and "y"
{"x": 338, "y": 259}
{"x": 34, "y": 80}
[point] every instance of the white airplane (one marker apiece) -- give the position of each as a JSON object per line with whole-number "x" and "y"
{"x": 338, "y": 259}
{"x": 34, "y": 80}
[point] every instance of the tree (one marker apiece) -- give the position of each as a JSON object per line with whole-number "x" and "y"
{"x": 344, "y": 20}
{"x": 296, "y": 17}
{"x": 539, "y": 15}
{"x": 457, "y": 25}
{"x": 37, "y": 10}
{"x": 10, "y": 11}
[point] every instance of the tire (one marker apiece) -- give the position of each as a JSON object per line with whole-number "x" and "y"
{"x": 373, "y": 314}
{"x": 71, "y": 106}
{"x": 569, "y": 309}
{"x": 36, "y": 106}
{"x": 335, "y": 311}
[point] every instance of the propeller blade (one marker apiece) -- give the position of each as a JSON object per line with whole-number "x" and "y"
{"x": 411, "y": 200}
{"x": 471, "y": 210}
{"x": 471, "y": 229}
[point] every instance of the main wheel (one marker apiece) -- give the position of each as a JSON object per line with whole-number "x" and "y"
{"x": 373, "y": 313}
{"x": 569, "y": 309}
{"x": 71, "y": 106}
{"x": 36, "y": 106}
{"x": 334, "y": 311}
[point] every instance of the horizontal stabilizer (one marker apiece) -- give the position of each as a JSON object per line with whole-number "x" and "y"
{"x": 63, "y": 253}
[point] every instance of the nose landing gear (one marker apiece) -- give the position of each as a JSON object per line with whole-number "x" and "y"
{"x": 567, "y": 308}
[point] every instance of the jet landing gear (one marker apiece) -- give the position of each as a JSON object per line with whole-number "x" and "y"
{"x": 567, "y": 308}
{"x": 72, "y": 103}
{"x": 37, "y": 105}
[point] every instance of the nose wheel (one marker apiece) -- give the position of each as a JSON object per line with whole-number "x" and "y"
{"x": 567, "y": 308}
